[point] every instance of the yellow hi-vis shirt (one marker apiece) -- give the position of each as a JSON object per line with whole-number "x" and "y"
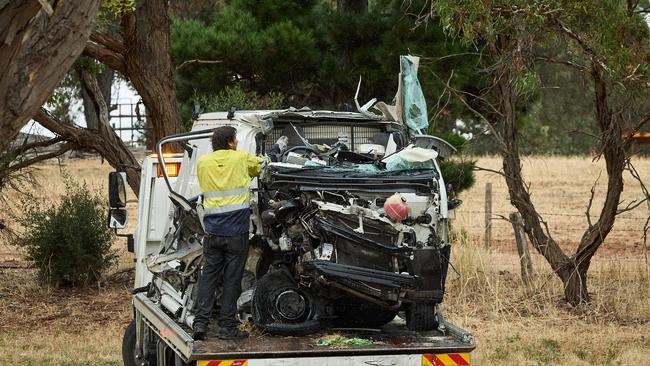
{"x": 224, "y": 178}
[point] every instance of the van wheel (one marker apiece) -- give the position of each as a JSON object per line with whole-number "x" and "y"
{"x": 280, "y": 307}
{"x": 128, "y": 346}
{"x": 421, "y": 316}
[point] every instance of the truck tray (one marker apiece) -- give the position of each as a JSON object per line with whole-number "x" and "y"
{"x": 393, "y": 338}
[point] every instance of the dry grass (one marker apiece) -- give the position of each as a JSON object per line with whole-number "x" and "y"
{"x": 560, "y": 189}
{"x": 44, "y": 326}
{"x": 513, "y": 324}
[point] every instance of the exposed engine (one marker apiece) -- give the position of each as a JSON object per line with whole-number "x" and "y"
{"x": 349, "y": 243}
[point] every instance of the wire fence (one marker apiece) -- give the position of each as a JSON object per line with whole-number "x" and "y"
{"x": 552, "y": 214}
{"x": 500, "y": 220}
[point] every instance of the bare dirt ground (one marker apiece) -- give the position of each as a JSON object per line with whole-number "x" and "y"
{"x": 512, "y": 323}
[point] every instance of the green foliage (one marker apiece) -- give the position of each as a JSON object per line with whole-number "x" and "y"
{"x": 314, "y": 55}
{"x": 116, "y": 8}
{"x": 460, "y": 174}
{"x": 69, "y": 243}
{"x": 527, "y": 84}
{"x": 250, "y": 57}
{"x": 537, "y": 41}
{"x": 560, "y": 120}
{"x": 235, "y": 96}
{"x": 62, "y": 101}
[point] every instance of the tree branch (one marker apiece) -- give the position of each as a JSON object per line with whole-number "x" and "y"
{"x": 105, "y": 55}
{"x": 32, "y": 145}
{"x": 68, "y": 132}
{"x": 594, "y": 56}
{"x": 498, "y": 172}
{"x": 104, "y": 141}
{"x": 25, "y": 163}
{"x": 108, "y": 41}
{"x": 196, "y": 61}
{"x": 561, "y": 62}
{"x": 631, "y": 206}
{"x": 591, "y": 200}
{"x": 459, "y": 94}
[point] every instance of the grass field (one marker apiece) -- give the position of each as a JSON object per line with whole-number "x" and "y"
{"x": 512, "y": 323}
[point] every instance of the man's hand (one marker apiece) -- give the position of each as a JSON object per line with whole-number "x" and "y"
{"x": 265, "y": 162}
{"x": 264, "y": 165}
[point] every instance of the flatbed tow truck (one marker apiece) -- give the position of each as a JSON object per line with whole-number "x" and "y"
{"x": 167, "y": 260}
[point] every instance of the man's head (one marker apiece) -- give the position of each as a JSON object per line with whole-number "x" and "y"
{"x": 224, "y": 138}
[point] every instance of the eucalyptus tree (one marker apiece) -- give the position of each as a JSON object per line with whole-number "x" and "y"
{"x": 39, "y": 42}
{"x": 605, "y": 40}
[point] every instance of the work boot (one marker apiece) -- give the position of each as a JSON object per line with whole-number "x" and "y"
{"x": 200, "y": 332}
{"x": 231, "y": 333}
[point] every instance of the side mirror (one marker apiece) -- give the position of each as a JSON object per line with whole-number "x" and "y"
{"x": 444, "y": 148}
{"x": 117, "y": 189}
{"x": 454, "y": 203}
{"x": 117, "y": 218}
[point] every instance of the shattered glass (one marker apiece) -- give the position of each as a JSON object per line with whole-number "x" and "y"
{"x": 414, "y": 104}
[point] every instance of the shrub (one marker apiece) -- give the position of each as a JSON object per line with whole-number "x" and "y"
{"x": 236, "y": 96}
{"x": 69, "y": 243}
{"x": 460, "y": 174}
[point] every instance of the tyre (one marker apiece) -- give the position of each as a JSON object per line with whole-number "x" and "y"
{"x": 280, "y": 307}
{"x": 421, "y": 316}
{"x": 128, "y": 346}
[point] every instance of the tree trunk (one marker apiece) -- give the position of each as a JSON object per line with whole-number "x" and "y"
{"x": 615, "y": 154}
{"x": 143, "y": 57}
{"x": 571, "y": 270}
{"x": 149, "y": 65}
{"x": 575, "y": 283}
{"x": 110, "y": 146}
{"x": 519, "y": 195}
{"x": 36, "y": 51}
{"x": 104, "y": 82}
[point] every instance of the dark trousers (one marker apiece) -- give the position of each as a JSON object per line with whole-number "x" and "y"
{"x": 227, "y": 255}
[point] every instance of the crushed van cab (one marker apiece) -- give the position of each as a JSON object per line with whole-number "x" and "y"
{"x": 349, "y": 223}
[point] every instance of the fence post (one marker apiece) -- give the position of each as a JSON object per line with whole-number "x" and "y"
{"x": 522, "y": 247}
{"x": 487, "y": 238}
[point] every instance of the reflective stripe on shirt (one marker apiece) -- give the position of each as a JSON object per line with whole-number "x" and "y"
{"x": 224, "y": 209}
{"x": 230, "y": 192}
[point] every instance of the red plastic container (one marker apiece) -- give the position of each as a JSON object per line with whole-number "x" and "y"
{"x": 396, "y": 207}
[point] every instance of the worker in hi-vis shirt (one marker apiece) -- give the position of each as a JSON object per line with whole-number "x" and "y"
{"x": 225, "y": 178}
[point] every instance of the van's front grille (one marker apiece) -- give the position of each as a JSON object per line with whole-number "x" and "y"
{"x": 325, "y": 134}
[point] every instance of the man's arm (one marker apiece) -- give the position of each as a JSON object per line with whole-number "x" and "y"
{"x": 254, "y": 164}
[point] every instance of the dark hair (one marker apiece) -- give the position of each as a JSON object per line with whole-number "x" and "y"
{"x": 222, "y": 136}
